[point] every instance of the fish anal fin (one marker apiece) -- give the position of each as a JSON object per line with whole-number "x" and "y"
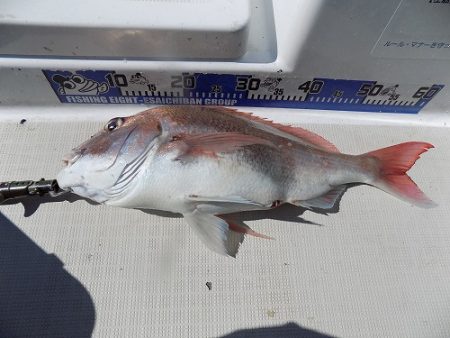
{"x": 298, "y": 132}
{"x": 212, "y": 144}
{"x": 326, "y": 201}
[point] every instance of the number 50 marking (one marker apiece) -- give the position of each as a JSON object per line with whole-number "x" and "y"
{"x": 369, "y": 89}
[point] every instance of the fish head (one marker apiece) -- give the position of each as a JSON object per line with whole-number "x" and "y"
{"x": 102, "y": 167}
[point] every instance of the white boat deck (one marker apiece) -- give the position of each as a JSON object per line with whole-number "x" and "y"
{"x": 377, "y": 268}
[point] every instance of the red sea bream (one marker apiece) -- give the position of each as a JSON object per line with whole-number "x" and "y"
{"x": 207, "y": 162}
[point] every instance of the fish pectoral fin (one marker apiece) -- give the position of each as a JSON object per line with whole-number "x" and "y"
{"x": 214, "y": 232}
{"x": 223, "y": 204}
{"x": 326, "y": 202}
{"x": 212, "y": 144}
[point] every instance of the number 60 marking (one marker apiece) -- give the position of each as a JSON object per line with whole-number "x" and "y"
{"x": 426, "y": 92}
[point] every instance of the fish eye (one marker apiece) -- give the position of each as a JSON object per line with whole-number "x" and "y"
{"x": 77, "y": 79}
{"x": 114, "y": 124}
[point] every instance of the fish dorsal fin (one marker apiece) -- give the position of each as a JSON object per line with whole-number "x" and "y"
{"x": 303, "y": 134}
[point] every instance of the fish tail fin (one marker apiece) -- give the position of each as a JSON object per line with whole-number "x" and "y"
{"x": 394, "y": 162}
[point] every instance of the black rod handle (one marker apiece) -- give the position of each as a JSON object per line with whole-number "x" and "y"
{"x": 15, "y": 189}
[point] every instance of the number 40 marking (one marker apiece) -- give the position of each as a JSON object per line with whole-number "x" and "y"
{"x": 311, "y": 87}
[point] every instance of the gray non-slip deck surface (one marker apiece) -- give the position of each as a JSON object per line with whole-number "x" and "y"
{"x": 377, "y": 268}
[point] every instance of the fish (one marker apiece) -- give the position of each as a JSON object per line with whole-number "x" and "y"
{"x": 207, "y": 162}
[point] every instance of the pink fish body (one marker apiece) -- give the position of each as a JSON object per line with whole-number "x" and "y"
{"x": 206, "y": 162}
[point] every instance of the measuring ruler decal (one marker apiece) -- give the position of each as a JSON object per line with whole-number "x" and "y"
{"x": 275, "y": 90}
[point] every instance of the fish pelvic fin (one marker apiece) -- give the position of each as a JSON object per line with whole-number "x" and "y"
{"x": 244, "y": 229}
{"x": 218, "y": 233}
{"x": 214, "y": 232}
{"x": 394, "y": 162}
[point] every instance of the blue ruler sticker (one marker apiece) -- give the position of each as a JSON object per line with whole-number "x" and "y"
{"x": 273, "y": 90}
